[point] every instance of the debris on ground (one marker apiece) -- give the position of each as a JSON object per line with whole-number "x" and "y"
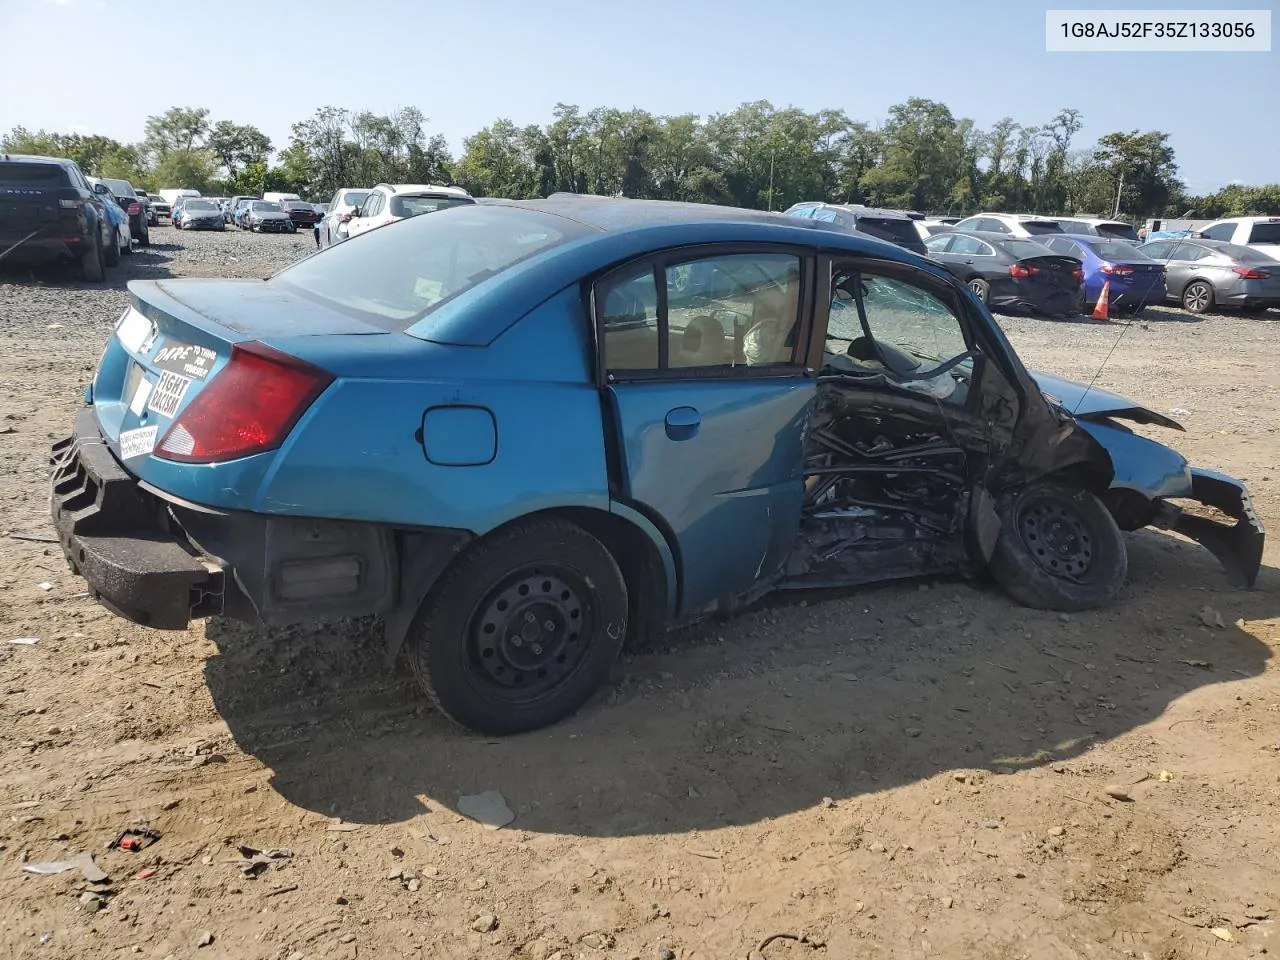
{"x": 1117, "y": 792}
{"x": 256, "y": 862}
{"x": 82, "y": 862}
{"x": 1211, "y": 617}
{"x": 25, "y": 641}
{"x": 484, "y": 923}
{"x": 488, "y": 808}
{"x": 134, "y": 838}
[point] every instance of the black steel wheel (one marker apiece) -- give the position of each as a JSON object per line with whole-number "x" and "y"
{"x": 521, "y": 629}
{"x": 1059, "y": 548}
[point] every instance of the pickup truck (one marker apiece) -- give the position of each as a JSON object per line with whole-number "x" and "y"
{"x": 1261, "y": 233}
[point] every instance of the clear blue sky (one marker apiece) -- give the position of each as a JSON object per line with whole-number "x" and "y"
{"x": 466, "y": 63}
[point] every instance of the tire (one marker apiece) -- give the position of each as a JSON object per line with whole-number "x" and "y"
{"x": 980, "y": 288}
{"x": 1059, "y": 549}
{"x": 145, "y": 239}
{"x": 111, "y": 252}
{"x": 1197, "y": 297}
{"x": 521, "y": 629}
{"x": 92, "y": 263}
{"x": 128, "y": 248}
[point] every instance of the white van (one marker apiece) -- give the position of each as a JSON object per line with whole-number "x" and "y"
{"x": 279, "y": 197}
{"x": 171, "y": 195}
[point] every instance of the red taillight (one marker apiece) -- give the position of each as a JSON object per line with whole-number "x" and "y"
{"x": 134, "y": 209}
{"x": 1113, "y": 269}
{"x": 1249, "y": 273}
{"x": 1021, "y": 272}
{"x": 249, "y": 407}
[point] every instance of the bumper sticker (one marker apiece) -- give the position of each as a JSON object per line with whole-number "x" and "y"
{"x": 168, "y": 394}
{"x": 185, "y": 359}
{"x": 134, "y": 330}
{"x": 136, "y": 443}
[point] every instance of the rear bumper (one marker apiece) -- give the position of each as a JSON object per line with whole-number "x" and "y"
{"x": 42, "y": 247}
{"x": 162, "y": 562}
{"x": 1238, "y": 546}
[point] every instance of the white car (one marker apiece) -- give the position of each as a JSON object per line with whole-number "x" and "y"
{"x": 1094, "y": 227}
{"x": 928, "y": 227}
{"x": 1261, "y": 233}
{"x": 388, "y": 202}
{"x": 333, "y": 228}
{"x": 1013, "y": 224}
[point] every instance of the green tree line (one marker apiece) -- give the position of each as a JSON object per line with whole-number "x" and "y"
{"x": 920, "y": 157}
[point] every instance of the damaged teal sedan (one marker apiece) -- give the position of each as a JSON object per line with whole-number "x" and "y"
{"x": 526, "y": 432}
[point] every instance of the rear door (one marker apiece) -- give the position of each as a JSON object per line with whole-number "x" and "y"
{"x": 704, "y": 377}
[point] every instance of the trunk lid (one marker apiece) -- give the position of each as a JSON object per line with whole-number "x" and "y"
{"x": 1055, "y": 272}
{"x": 175, "y": 338}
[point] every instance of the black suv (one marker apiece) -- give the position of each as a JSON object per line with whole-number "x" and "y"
{"x": 48, "y": 211}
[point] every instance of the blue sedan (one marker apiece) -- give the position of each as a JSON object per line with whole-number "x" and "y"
{"x": 527, "y": 432}
{"x": 1132, "y": 279}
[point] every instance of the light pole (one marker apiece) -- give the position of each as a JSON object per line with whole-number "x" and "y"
{"x": 772, "y": 154}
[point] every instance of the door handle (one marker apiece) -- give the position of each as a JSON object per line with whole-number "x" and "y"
{"x": 682, "y": 423}
{"x": 968, "y": 261}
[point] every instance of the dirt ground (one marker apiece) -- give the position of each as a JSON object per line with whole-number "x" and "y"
{"x": 909, "y": 771}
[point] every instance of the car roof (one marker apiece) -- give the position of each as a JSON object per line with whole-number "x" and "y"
{"x": 992, "y": 236}
{"x": 398, "y": 188}
{"x": 33, "y": 158}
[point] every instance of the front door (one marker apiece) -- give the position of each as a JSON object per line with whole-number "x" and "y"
{"x": 705, "y": 377}
{"x": 915, "y": 419}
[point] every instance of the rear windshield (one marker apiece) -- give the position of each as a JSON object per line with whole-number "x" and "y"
{"x": 1238, "y": 251}
{"x": 895, "y": 231}
{"x": 1114, "y": 250}
{"x": 1267, "y": 232}
{"x": 1022, "y": 249}
{"x": 1121, "y": 231}
{"x": 47, "y": 173}
{"x": 394, "y": 276}
{"x": 1038, "y": 227}
{"x": 412, "y": 206}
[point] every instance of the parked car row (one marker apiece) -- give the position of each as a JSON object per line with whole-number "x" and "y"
{"x": 1061, "y": 266}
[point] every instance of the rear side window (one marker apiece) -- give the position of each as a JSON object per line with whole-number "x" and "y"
{"x": 995, "y": 226}
{"x": 1157, "y": 250}
{"x": 972, "y": 246}
{"x": 1246, "y": 254}
{"x": 395, "y": 276}
{"x": 1223, "y": 231}
{"x": 718, "y": 313}
{"x": 1040, "y": 227}
{"x": 46, "y": 174}
{"x": 1265, "y": 232}
{"x": 895, "y": 231}
{"x": 1121, "y": 231}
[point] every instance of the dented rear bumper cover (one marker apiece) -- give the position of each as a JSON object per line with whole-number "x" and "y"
{"x": 1237, "y": 546}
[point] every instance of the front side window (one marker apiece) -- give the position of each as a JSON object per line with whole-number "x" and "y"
{"x": 721, "y": 313}
{"x": 996, "y": 226}
{"x": 888, "y": 326}
{"x": 1039, "y": 228}
{"x": 1157, "y": 250}
{"x": 1189, "y": 251}
{"x": 971, "y": 246}
{"x": 1120, "y": 231}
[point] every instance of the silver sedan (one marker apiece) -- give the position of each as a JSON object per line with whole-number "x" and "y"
{"x": 1204, "y": 274}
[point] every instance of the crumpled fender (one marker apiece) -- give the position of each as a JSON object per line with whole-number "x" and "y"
{"x": 1141, "y": 465}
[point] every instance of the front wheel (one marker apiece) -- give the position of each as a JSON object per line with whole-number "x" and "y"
{"x": 1059, "y": 548}
{"x": 522, "y": 628}
{"x": 111, "y": 252}
{"x": 1198, "y": 297}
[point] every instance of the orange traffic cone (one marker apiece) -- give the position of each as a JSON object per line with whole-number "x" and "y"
{"x": 1100, "y": 309}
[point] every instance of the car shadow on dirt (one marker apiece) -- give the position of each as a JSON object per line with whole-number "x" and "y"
{"x": 830, "y": 695}
{"x": 145, "y": 263}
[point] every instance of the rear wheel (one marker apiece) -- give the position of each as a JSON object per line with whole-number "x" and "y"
{"x": 111, "y": 252}
{"x": 1059, "y": 549}
{"x": 145, "y": 239}
{"x": 1197, "y": 297}
{"x": 981, "y": 289}
{"x": 522, "y": 628}
{"x": 92, "y": 267}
